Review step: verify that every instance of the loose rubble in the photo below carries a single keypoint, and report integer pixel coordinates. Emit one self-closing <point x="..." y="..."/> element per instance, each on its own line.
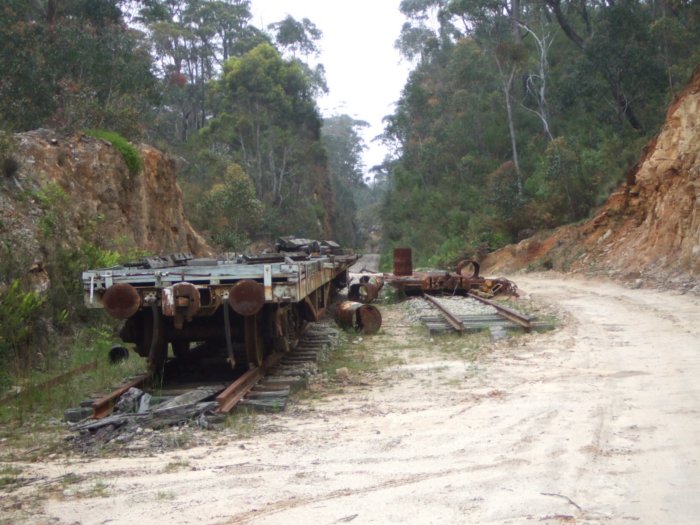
<point x="137" y="416"/>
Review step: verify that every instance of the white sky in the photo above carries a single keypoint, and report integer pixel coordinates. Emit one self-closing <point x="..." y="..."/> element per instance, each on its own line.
<point x="365" y="74"/>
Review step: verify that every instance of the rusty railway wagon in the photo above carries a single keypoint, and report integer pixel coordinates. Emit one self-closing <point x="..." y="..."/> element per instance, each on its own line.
<point x="239" y="310"/>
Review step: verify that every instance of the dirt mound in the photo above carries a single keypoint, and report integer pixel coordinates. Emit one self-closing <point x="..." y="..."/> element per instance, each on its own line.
<point x="649" y="229"/>
<point x="87" y="183"/>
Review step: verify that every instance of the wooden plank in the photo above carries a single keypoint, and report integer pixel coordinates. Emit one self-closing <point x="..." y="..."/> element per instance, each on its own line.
<point x="236" y="390"/>
<point x="506" y="312"/>
<point x="293" y="382"/>
<point x="449" y="316"/>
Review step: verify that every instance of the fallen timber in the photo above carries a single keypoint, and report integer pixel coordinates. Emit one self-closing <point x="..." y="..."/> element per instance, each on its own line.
<point x="57" y="380"/>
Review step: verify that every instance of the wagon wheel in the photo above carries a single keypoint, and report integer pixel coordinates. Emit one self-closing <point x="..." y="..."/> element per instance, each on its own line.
<point x="237" y="353"/>
<point x="277" y="330"/>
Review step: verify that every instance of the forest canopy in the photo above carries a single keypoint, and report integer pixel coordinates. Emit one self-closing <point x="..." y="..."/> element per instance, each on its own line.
<point x="522" y="115"/>
<point x="193" y="77"/>
<point x="518" y="114"/>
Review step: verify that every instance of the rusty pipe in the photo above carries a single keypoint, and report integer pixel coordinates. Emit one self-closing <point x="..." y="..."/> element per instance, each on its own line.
<point x="181" y="301"/>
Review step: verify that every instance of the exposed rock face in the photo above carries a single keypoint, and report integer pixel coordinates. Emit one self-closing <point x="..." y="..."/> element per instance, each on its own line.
<point x="649" y="228"/>
<point x="104" y="200"/>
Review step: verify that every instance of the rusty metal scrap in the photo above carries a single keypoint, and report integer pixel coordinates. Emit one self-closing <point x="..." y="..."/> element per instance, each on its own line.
<point x="238" y="306"/>
<point x="121" y="301"/>
<point x="455" y="282"/>
<point x="364" y="318"/>
<point x="180" y="301"/>
<point x="367" y="289"/>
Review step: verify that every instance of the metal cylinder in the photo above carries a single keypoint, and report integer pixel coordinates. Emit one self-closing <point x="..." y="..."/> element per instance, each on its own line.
<point x="364" y="318"/>
<point x="121" y="301"/>
<point x="118" y="353"/>
<point x="403" y="261"/>
<point x="475" y="267"/>
<point x="247" y="297"/>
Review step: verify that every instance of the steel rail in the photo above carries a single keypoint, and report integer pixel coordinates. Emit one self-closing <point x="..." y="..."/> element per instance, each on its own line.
<point x="103" y="406"/>
<point x="451" y="318"/>
<point x="244" y="384"/>
<point x="508" y="313"/>
<point x="61" y="378"/>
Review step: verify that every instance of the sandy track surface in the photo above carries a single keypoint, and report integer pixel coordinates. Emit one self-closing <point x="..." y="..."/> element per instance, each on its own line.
<point x="597" y="422"/>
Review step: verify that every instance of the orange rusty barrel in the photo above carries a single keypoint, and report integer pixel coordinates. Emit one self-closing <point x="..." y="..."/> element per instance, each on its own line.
<point x="365" y="318"/>
<point x="403" y="261"/>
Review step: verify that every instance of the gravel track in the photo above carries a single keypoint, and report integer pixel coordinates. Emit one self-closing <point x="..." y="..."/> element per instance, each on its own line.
<point x="594" y="423"/>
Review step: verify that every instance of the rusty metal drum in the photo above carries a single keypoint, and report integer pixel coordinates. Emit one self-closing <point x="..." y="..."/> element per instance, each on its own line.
<point x="403" y="261"/>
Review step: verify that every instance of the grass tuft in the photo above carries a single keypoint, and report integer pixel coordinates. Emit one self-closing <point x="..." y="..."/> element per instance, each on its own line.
<point x="241" y="422"/>
<point x="131" y="155"/>
<point x="32" y="419"/>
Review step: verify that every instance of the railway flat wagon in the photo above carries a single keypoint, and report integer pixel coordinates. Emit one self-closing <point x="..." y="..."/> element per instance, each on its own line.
<point x="238" y="309"/>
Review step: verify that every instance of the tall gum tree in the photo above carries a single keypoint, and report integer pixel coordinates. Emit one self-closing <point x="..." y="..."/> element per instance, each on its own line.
<point x="266" y="119"/>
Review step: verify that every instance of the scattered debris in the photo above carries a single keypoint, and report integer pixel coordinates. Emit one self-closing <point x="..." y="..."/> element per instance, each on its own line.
<point x="416" y="283"/>
<point x="137" y="412"/>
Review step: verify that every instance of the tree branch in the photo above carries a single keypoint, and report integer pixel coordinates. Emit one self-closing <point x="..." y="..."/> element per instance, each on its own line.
<point x="570" y="32"/>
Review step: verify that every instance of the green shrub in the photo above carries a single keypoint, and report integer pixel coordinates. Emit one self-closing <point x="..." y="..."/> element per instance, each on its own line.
<point x="230" y="210"/>
<point x="129" y="152"/>
<point x="18" y="317"/>
<point x="8" y="163"/>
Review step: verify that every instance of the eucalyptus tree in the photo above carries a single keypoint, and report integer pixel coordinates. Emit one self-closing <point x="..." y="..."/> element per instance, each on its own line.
<point x="297" y="37"/>
<point x="609" y="43"/>
<point x="298" y="40"/>
<point x="266" y="119"/>
<point x="342" y="140"/>
<point x="73" y="64"/>
<point x="575" y="87"/>
<point x="191" y="41"/>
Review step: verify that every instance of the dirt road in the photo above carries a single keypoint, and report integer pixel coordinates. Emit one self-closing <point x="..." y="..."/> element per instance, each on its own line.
<point x="598" y="422"/>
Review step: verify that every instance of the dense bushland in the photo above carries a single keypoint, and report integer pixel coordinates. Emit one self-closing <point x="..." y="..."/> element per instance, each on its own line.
<point x="195" y="78"/>
<point x="524" y="115"/>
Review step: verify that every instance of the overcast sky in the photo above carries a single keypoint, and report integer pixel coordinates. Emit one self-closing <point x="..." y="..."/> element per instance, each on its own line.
<point x="365" y="74"/>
